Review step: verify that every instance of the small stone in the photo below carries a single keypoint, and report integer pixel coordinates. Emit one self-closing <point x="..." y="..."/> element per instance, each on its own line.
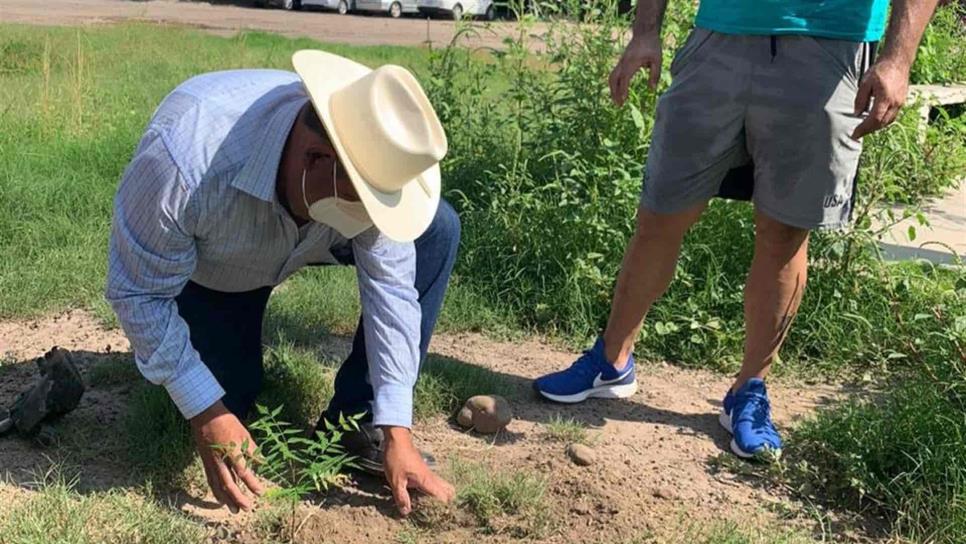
<point x="487" y="414"/>
<point x="665" y="493"/>
<point x="581" y="455"/>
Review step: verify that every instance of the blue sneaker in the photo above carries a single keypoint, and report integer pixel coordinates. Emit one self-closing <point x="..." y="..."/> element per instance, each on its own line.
<point x="590" y="376"/>
<point x="746" y="414"/>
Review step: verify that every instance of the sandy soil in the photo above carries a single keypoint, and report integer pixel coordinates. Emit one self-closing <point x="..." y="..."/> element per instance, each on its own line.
<point x="655" y="451"/>
<point x="228" y="19"/>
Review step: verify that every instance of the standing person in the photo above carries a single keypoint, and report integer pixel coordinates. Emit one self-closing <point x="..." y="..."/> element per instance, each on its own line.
<point x="243" y="177"/>
<point x="788" y="88"/>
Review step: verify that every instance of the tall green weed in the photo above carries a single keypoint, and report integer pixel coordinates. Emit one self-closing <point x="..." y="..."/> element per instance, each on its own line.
<point x="547" y="174"/>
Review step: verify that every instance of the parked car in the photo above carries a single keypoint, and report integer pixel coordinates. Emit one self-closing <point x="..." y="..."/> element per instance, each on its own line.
<point x="395" y="8"/>
<point x="342" y="7"/>
<point x="284" y="4"/>
<point x="456" y="9"/>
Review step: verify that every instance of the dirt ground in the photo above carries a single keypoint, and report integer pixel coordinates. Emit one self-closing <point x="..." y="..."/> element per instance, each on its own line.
<point x="655" y="451"/>
<point x="229" y="19"/>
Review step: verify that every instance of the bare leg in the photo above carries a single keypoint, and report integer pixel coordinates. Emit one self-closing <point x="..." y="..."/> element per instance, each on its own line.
<point x="773" y="292"/>
<point x="646" y="271"/>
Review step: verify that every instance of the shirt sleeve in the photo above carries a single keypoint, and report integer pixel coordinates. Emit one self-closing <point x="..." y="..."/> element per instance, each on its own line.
<point x="391" y="319"/>
<point x="151" y="257"/>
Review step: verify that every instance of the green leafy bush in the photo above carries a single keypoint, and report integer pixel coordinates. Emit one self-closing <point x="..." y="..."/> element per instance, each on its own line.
<point x="547" y="174"/>
<point x="942" y="53"/>
<point x="902" y="454"/>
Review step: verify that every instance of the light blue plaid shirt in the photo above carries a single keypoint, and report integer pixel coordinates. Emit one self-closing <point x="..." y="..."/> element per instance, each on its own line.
<point x="198" y="202"/>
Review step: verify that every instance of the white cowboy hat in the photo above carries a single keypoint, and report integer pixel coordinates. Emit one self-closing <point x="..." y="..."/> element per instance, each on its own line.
<point x="386" y="134"/>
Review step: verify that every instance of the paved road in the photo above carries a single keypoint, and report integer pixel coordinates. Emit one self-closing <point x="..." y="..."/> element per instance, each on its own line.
<point x="221" y="18"/>
<point x="938" y="242"/>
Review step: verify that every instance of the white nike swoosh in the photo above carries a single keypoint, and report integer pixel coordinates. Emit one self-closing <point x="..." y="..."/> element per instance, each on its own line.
<point x="599" y="382"/>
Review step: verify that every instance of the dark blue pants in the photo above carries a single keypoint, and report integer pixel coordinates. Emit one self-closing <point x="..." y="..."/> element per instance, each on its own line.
<point x="226" y="328"/>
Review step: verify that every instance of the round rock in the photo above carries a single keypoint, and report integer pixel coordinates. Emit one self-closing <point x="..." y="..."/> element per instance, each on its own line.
<point x="581" y="455"/>
<point x="485" y="414"/>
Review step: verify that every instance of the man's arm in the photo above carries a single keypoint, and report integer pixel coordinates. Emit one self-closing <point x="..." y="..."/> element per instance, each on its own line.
<point x="151" y="258"/>
<point x="886" y="85"/>
<point x="644" y="50"/>
<point x="649" y="17"/>
<point x="391" y="317"/>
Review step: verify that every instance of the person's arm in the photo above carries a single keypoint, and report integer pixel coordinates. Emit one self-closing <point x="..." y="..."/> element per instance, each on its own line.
<point x="644" y="50"/>
<point x="886" y="84"/>
<point x="649" y="17"/>
<point x="151" y="257"/>
<point x="391" y="316"/>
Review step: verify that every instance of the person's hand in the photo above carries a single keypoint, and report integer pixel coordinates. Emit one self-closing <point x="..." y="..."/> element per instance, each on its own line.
<point x="219" y="437"/>
<point x="406" y="469"/>
<point x="885" y="86"/>
<point x="642" y="52"/>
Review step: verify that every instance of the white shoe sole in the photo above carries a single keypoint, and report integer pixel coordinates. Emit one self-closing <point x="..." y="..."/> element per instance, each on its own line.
<point x="725" y="420"/>
<point x="602" y="392"/>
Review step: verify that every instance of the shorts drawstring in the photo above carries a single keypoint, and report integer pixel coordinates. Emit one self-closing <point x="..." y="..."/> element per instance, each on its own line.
<point x="774" y="47"/>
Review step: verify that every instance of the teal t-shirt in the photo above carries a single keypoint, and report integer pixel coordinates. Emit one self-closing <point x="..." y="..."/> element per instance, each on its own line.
<point x="854" y="20"/>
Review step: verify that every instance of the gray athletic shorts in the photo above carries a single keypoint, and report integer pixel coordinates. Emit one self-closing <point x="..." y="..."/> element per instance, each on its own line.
<point x="783" y="104"/>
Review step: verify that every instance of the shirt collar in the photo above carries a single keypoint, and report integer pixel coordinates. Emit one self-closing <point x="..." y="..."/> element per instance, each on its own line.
<point x="259" y="174"/>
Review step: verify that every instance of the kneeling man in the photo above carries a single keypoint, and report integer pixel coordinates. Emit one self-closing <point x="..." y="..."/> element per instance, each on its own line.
<point x="244" y="177"/>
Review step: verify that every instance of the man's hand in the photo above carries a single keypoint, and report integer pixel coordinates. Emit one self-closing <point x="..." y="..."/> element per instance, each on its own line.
<point x="885" y="86"/>
<point x="406" y="469"/>
<point x="643" y="51"/>
<point x="219" y="437"/>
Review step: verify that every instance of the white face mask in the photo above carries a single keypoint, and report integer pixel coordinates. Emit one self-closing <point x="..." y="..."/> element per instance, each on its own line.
<point x="349" y="218"/>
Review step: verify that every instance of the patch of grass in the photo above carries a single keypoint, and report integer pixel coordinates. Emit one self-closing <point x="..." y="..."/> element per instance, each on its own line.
<point x="901" y="456"/>
<point x="159" y="443"/>
<point x="900" y="452"/>
<point x="511" y="502"/>
<point x="75" y="101"/>
<point x="408" y="535"/>
<point x="562" y="429"/>
<point x="54" y="512"/>
<point x="730" y="532"/>
<point x="113" y="370"/>
<point x="445" y="384"/>
<point x="298" y="382"/>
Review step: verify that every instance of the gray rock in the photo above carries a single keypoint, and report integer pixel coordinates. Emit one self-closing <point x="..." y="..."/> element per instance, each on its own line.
<point x="581" y="455"/>
<point x="485" y="414"/>
<point x="57" y="392"/>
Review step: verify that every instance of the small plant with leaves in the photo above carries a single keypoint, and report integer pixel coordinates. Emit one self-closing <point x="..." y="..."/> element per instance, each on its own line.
<point x="295" y="464"/>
